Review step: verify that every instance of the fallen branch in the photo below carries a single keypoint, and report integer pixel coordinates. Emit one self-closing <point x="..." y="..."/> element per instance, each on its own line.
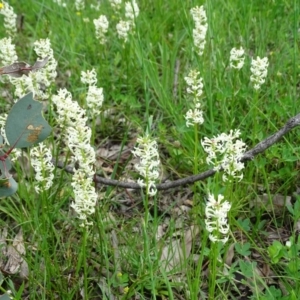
<point x="249" y="155"/>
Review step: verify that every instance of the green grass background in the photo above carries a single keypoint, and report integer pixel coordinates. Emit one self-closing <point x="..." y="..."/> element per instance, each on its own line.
<point x="138" y="80"/>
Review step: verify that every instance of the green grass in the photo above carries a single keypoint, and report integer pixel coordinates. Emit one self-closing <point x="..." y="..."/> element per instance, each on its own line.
<point x="120" y="250"/>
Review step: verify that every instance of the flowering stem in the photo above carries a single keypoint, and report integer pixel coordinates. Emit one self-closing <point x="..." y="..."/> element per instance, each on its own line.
<point x="196" y="143"/>
<point x="146" y="204"/>
<point x="82" y="261"/>
<point x="196" y="138"/>
<point x="85" y="277"/>
<point x="197" y="278"/>
<point x="255" y="102"/>
<point x="225" y="101"/>
<point x="213" y="270"/>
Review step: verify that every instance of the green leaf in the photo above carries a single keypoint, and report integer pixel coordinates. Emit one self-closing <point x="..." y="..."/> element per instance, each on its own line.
<point x="243" y="249"/>
<point x="25" y="124"/>
<point x="244" y="224"/>
<point x="276" y="252"/>
<point x="247" y="268"/>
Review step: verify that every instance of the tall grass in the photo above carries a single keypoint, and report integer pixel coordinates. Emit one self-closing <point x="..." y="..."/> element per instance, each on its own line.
<point x="122" y="255"/>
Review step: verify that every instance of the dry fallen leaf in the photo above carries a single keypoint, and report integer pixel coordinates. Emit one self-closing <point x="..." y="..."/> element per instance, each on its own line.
<point x="176" y="252"/>
<point x="273" y="202"/>
<point x="3" y="247"/>
<point x="14" y="255"/>
<point x="229" y="255"/>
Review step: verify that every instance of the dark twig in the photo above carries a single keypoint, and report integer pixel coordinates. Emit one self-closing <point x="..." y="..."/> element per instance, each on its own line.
<point x="249" y="155"/>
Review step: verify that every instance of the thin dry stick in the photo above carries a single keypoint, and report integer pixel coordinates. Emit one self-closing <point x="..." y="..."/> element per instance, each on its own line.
<point x="249" y="155"/>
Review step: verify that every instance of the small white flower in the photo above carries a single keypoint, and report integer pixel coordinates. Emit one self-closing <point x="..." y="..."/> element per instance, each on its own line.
<point x="78" y="141"/>
<point x="216" y="211"/>
<point x="199" y="15"/>
<point x="41" y="163"/>
<point x="237" y="58"/>
<point x="225" y="152"/>
<point x="288" y="244"/>
<point x="194" y="89"/>
<point x="259" y="70"/>
<point x="131" y="10"/>
<point x="79" y="5"/>
<point x="96" y="7"/>
<point x="85" y="197"/>
<point x="43" y="49"/>
<point x="77" y="136"/>
<point x="195" y="84"/>
<point x="123" y="28"/>
<point x="201" y="26"/>
<point x="8" y="54"/>
<point x="10" y="19"/>
<point x="115" y="4"/>
<point x="89" y="77"/>
<point x="94" y="99"/>
<point x="149" y="163"/>
<point x="69" y="111"/>
<point x="194" y="117"/>
<point x="101" y="27"/>
<point x="39" y="81"/>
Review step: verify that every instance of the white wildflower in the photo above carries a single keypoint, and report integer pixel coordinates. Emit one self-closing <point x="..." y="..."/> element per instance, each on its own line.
<point x="149" y="163"/>
<point x="225" y="152"/>
<point x="77" y="136"/>
<point x="201" y="26"/>
<point x="40" y="80"/>
<point x="123" y="28"/>
<point x="96" y="7"/>
<point x="43" y="49"/>
<point x="85" y="197"/>
<point x="195" y="84"/>
<point x="194" y="117"/>
<point x="10" y="18"/>
<point x="216" y="211"/>
<point x="237" y="58"/>
<point x="194" y="88"/>
<point x="101" y="27"/>
<point x="259" y="70"/>
<point x="79" y="5"/>
<point x="78" y="140"/>
<point x="288" y="244"/>
<point x="89" y="77"/>
<point x="69" y="111"/>
<point x="131" y="10"/>
<point x="8" y="54"/>
<point x="116" y="4"/>
<point x="26" y="84"/>
<point x="41" y="163"/>
<point x="94" y="99"/>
